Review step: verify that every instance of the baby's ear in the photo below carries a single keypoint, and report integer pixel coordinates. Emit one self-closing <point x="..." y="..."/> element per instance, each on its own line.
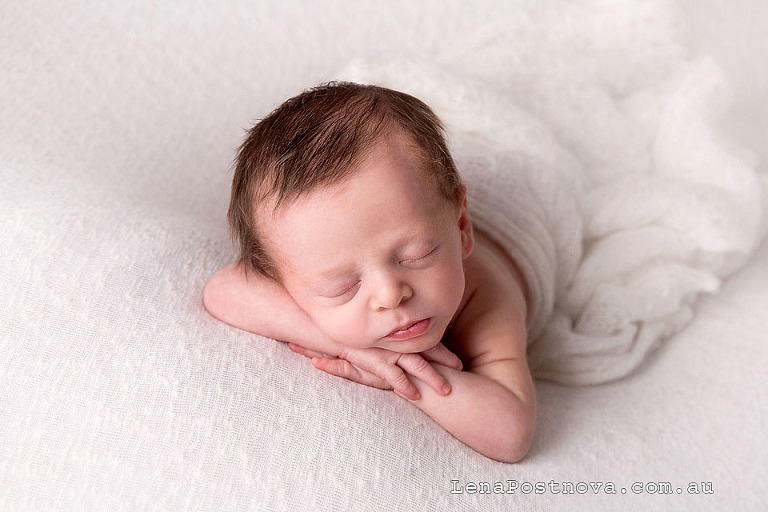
<point x="465" y="225"/>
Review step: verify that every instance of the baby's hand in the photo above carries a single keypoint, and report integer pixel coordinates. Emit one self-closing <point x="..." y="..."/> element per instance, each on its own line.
<point x="381" y="368"/>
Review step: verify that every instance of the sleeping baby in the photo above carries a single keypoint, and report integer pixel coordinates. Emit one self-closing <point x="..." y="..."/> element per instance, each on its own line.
<point x="356" y="248"/>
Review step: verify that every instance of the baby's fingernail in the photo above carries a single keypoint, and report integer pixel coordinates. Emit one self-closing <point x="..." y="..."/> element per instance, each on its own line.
<point x="446" y="389"/>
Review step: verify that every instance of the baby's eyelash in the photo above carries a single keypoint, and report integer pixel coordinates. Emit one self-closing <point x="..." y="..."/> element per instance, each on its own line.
<point x="421" y="258"/>
<point x="342" y="294"/>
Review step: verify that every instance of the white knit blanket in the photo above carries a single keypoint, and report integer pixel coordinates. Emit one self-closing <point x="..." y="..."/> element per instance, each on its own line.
<point x="599" y="172"/>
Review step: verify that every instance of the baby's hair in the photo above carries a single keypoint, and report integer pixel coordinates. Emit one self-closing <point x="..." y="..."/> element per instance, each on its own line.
<point x="315" y="139"/>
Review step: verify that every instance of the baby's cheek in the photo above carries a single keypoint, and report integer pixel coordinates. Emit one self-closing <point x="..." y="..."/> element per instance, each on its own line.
<point x="449" y="284"/>
<point x="346" y="327"/>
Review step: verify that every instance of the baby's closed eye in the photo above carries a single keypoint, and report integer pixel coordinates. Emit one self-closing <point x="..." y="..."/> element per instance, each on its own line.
<point x="341" y="290"/>
<point x="422" y="258"/>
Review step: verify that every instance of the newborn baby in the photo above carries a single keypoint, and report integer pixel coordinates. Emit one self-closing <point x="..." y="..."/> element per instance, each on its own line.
<point x="356" y="247"/>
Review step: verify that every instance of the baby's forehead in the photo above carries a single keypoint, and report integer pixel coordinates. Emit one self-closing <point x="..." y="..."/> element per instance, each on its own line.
<point x="397" y="146"/>
<point x="391" y="165"/>
<point x="395" y="142"/>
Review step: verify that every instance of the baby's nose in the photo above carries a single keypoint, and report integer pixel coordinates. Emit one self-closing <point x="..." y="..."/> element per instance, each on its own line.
<point x="390" y="293"/>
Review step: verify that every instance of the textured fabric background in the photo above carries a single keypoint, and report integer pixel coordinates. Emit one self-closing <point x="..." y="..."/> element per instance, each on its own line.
<point x="118" y="123"/>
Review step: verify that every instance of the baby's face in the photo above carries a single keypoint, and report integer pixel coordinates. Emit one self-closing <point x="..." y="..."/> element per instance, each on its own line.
<point x="377" y="260"/>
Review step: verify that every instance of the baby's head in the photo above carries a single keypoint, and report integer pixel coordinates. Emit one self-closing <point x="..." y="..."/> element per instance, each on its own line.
<point x="347" y="196"/>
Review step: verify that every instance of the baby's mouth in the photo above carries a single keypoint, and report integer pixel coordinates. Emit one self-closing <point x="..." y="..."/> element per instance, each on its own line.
<point x="410" y="331"/>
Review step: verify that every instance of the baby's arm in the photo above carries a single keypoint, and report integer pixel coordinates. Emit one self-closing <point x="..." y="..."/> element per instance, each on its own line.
<point x="492" y="408"/>
<point x="259" y="305"/>
<point x="492" y="405"/>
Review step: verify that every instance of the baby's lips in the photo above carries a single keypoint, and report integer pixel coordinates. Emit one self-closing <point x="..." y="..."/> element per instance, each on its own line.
<point x="413" y="330"/>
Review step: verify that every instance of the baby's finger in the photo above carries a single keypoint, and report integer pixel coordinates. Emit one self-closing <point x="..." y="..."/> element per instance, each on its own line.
<point x="383" y="363"/>
<point x="346" y="370"/>
<point x="441" y="355"/>
<point x="421" y="369"/>
<point x="400" y="382"/>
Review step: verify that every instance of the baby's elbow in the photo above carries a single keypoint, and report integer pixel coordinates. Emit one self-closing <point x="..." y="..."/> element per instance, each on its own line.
<point x="214" y="294"/>
<point x="210" y="296"/>
<point x="514" y="446"/>
<point x="515" y="453"/>
<point x="512" y="450"/>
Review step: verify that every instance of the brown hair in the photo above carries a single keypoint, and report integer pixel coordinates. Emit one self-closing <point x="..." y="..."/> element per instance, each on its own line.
<point x="315" y="139"/>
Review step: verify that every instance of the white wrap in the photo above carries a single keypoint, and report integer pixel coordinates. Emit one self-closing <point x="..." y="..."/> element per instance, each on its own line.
<point x="604" y="178"/>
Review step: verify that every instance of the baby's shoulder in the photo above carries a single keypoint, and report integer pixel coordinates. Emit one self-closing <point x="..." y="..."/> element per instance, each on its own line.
<point x="492" y="321"/>
<point x="493" y="278"/>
